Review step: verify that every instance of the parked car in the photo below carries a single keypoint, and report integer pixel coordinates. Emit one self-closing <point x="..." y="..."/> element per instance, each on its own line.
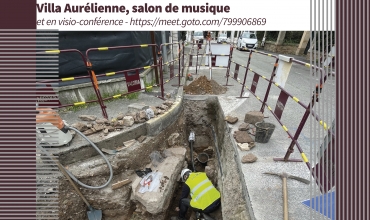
<point x="247" y="40"/>
<point x="222" y="38"/>
<point x="198" y="36"/>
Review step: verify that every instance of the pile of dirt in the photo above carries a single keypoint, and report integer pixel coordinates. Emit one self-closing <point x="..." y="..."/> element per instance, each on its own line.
<point x="202" y="86"/>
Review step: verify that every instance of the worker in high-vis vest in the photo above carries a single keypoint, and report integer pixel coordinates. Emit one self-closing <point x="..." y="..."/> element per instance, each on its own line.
<point x="205" y="198"/>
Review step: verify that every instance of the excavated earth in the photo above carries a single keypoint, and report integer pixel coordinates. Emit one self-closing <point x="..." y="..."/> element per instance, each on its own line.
<point x="202" y="85"/>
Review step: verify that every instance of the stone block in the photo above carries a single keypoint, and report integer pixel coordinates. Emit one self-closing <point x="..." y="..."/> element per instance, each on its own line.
<point x="155" y="110"/>
<point x="80" y="126"/>
<point x="249" y="158"/>
<point x="243" y="127"/>
<point x="158" y="201"/>
<point x="244" y="146"/>
<point x="231" y="119"/>
<point x="128" y="121"/>
<point x="87" y="117"/>
<point x="253" y="117"/>
<point x="98" y="127"/>
<point x="242" y="137"/>
<point x="101" y="121"/>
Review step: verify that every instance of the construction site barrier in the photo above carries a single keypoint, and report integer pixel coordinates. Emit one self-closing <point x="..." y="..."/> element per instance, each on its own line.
<point x="92" y="77"/>
<point x="133" y="81"/>
<point x="171" y="65"/>
<point x="282" y="100"/>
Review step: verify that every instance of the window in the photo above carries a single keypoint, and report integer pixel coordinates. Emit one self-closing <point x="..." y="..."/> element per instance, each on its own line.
<point x="249" y="35"/>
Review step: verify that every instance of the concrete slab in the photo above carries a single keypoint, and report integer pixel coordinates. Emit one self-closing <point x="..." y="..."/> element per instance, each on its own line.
<point x="157" y="201"/>
<point x="135" y="107"/>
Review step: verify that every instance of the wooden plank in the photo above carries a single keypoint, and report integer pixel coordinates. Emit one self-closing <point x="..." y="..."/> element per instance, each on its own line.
<point x="120" y="184"/>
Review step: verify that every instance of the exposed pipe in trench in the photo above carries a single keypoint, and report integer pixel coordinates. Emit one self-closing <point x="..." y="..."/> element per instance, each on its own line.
<point x="192" y="140"/>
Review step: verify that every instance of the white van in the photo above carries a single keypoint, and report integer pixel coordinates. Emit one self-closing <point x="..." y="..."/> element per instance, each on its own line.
<point x="247" y="40"/>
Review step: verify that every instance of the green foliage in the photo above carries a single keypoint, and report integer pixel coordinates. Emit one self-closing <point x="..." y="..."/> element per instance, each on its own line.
<point x="293" y="37"/>
<point x="260" y="35"/>
<point x="148" y="87"/>
<point x="131" y="96"/>
<point x="272" y="35"/>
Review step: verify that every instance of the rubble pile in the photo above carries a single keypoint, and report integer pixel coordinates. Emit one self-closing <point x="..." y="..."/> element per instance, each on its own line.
<point x="90" y="124"/>
<point x="202" y="86"/>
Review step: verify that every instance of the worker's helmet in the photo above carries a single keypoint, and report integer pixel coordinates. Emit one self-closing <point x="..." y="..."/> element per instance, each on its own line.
<point x="183" y="172"/>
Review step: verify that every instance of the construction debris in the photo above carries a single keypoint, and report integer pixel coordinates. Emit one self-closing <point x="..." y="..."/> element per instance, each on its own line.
<point x="119" y="184"/>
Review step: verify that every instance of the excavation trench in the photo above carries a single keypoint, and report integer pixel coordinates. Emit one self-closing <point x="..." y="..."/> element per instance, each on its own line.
<point x="166" y="150"/>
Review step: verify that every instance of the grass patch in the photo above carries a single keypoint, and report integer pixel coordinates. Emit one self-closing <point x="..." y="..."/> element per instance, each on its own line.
<point x="76" y="108"/>
<point x="148" y="84"/>
<point x="104" y="95"/>
<point x="132" y="96"/>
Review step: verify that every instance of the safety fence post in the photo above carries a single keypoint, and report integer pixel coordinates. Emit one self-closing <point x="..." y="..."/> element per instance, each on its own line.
<point x="245" y="76"/>
<point x="196" y="65"/>
<point x="210" y="59"/>
<point x="171" y="64"/>
<point x="305" y="116"/>
<point x="269" y="86"/>
<point x="228" y="67"/>
<point x="161" y="75"/>
<point x="183" y="59"/>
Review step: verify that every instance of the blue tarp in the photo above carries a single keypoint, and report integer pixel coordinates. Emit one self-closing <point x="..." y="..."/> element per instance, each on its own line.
<point x="324" y="204"/>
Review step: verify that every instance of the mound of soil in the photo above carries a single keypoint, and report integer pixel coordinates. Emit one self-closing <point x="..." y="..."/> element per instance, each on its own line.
<point x="202" y="86"/>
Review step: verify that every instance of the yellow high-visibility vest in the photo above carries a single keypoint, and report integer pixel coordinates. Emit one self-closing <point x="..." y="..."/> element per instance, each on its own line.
<point x="202" y="191"/>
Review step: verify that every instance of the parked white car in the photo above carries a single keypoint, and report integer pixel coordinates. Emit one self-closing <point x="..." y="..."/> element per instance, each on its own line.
<point x="247" y="41"/>
<point x="222" y="38"/>
<point x="198" y="36"/>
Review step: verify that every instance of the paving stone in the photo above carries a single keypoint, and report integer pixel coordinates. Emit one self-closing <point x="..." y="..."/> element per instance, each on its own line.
<point x="155" y="110"/>
<point x="242" y="137"/>
<point x="243" y="127"/>
<point x="89" y="132"/>
<point x="101" y="121"/>
<point x="249" y="158"/>
<point x="87" y="117"/>
<point x="80" y="126"/>
<point x="231" y="119"/>
<point x="243" y="146"/>
<point x="98" y="127"/>
<point x="120" y="116"/>
<point x="128" y="121"/>
<point x="253" y="117"/>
